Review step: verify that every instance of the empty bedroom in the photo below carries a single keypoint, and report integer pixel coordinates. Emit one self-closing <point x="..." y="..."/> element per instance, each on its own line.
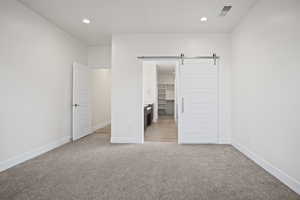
<point x="139" y="99"/>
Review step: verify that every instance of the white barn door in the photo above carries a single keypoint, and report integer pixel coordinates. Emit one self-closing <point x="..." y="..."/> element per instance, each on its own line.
<point x="81" y="101"/>
<point x="198" y="102"/>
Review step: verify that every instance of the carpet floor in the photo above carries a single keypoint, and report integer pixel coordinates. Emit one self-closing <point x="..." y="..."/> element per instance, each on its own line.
<point x="92" y="168"/>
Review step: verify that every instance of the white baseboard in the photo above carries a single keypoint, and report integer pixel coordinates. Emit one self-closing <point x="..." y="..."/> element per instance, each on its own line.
<point x="100" y="125"/>
<point x="32" y="154"/>
<point x="125" y="140"/>
<point x="279" y="174"/>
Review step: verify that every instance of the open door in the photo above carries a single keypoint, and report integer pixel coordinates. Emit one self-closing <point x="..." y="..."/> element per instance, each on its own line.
<point x="81" y="101"/>
<point x="198" y="101"/>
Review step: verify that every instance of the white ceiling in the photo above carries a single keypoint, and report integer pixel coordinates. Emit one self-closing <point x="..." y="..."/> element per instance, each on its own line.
<point x="138" y="16"/>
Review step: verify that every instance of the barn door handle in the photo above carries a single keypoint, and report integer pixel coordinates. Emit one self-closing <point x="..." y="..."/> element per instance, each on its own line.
<point x="182" y="105"/>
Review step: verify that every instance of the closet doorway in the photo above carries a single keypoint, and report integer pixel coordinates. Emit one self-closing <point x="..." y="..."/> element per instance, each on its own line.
<point x="196" y="90"/>
<point x="160" y="101"/>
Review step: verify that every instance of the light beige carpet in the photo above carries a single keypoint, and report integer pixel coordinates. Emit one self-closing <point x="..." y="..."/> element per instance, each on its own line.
<point x="94" y="169"/>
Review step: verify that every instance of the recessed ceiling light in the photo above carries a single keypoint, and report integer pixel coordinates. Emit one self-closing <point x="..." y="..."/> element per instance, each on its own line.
<point x="86" y="21"/>
<point x="203" y="19"/>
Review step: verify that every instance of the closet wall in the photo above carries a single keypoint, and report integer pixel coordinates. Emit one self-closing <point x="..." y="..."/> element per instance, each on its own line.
<point x="127" y="115"/>
<point x="150" y="86"/>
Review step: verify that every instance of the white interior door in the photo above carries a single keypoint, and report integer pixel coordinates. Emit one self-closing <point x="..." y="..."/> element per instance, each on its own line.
<point x="198" y="102"/>
<point x="81" y="101"/>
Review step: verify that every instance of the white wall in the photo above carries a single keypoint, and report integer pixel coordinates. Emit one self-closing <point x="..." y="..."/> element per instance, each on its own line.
<point x="127" y="76"/>
<point x="149" y="82"/>
<point x="150" y="86"/>
<point x="35" y="83"/>
<point x="266" y="97"/>
<point x="99" y="56"/>
<point x="101" y="93"/>
<point x="166" y="78"/>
